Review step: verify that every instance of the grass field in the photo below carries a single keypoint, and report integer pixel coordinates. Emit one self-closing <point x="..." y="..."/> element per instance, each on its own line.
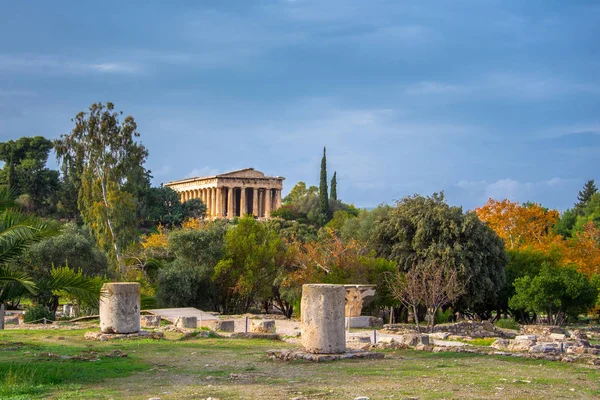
<point x="34" y="364"/>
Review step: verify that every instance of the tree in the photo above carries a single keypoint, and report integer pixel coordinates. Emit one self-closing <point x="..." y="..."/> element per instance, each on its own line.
<point x="17" y="232"/>
<point x="560" y="292"/>
<point x="73" y="246"/>
<point x="323" y="197"/>
<point x="564" y="226"/>
<point x="519" y="225"/>
<point x="164" y="207"/>
<point x="249" y="268"/>
<point x="112" y="173"/>
<point x="584" y="196"/>
<point x="25" y="172"/>
<point x="425" y="230"/>
<point x="194" y="208"/>
<point x="334" y="186"/>
<point x="440" y="286"/>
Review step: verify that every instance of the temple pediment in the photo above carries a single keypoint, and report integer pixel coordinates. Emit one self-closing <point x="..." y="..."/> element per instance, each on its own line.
<point x="243" y="173"/>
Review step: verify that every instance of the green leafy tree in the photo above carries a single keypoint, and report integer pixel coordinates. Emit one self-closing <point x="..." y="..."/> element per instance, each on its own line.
<point x="194" y="208"/>
<point x="73" y="246"/>
<point x="323" y="197"/>
<point x="112" y="174"/>
<point x="425" y="230"/>
<point x="25" y="172"/>
<point x="186" y="280"/>
<point x="249" y="268"/>
<point x="559" y="292"/>
<point x="17" y="232"/>
<point x="163" y="206"/>
<point x="585" y="195"/>
<point x="566" y="223"/>
<point x="589" y="213"/>
<point x="334" y="186"/>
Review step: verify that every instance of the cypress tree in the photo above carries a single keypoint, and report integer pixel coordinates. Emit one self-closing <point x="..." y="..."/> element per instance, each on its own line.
<point x="584" y="196"/>
<point x="323" y="197"/>
<point x="334" y="186"/>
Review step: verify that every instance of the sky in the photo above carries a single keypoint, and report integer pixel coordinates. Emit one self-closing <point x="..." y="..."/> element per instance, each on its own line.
<point x="476" y="98"/>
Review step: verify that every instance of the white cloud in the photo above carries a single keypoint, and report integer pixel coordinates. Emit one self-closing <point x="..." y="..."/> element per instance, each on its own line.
<point x="55" y="64"/>
<point x="201" y="172"/>
<point x="512" y="189"/>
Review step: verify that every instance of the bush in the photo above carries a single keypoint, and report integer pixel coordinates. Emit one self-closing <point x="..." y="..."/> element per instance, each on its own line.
<point x="507" y="324"/>
<point x="36" y="314"/>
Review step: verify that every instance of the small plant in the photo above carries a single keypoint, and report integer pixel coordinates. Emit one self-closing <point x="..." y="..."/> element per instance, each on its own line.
<point x="507" y="323"/>
<point x="36" y="314"/>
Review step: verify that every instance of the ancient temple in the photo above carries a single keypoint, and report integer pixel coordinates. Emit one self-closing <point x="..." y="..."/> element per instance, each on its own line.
<point x="233" y="194"/>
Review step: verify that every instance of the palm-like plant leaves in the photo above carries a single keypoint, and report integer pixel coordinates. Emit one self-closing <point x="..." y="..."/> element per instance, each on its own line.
<point x="72" y="283"/>
<point x="17" y="231"/>
<point x="14" y="284"/>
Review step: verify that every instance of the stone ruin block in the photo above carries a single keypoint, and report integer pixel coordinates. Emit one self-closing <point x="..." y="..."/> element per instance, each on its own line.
<point x="322" y="318"/>
<point x="227" y="325"/>
<point x="263" y="326"/>
<point x="150" y="321"/>
<point x="186" y="322"/>
<point x="120" y="307"/>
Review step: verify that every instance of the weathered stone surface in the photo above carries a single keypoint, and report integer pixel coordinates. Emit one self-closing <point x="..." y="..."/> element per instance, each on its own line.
<point x="520" y="345"/>
<point x="186" y="322"/>
<point x="354" y="302"/>
<point x="464" y="328"/>
<point x="500" y="344"/>
<point x="120" y="307"/>
<point x="545" y="348"/>
<point x="221" y="325"/>
<point x="263" y="326"/>
<point x="558" y="336"/>
<point x="322" y="319"/>
<point x="112" y="336"/>
<point x="414" y="339"/>
<point x="150" y="321"/>
<point x="289" y="355"/>
<point x="526" y="337"/>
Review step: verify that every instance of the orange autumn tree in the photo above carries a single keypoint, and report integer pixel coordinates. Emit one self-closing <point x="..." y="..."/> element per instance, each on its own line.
<point x="520" y="225"/>
<point x="584" y="249"/>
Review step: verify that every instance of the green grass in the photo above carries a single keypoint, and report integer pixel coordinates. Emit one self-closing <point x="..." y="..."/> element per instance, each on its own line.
<point x="238" y="369"/>
<point x="478" y="341"/>
<point x="507" y="323"/>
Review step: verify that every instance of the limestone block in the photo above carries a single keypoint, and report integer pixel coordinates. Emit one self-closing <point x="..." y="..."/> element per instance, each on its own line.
<point x="186" y="322"/>
<point x="120" y="307"/>
<point x="150" y="321"/>
<point x="414" y="339"/>
<point x="322" y="318"/>
<point x="558" y="336"/>
<point x="526" y="337"/>
<point x="227" y="325"/>
<point x="354" y="302"/>
<point x="263" y="326"/>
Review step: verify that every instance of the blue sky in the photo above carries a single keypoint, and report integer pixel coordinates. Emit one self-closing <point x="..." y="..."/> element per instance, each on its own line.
<point x="478" y="98"/>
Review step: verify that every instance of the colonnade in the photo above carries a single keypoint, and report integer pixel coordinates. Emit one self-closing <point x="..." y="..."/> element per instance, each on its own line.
<point x="232" y="201"/>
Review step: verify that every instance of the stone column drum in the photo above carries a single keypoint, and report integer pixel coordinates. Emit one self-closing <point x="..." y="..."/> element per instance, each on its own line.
<point x="322" y="318"/>
<point x="120" y="307"/>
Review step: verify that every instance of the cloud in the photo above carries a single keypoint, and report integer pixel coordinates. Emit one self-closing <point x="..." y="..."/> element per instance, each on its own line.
<point x="201" y="172"/>
<point x="60" y="65"/>
<point x="514" y="190"/>
<point x="17" y="93"/>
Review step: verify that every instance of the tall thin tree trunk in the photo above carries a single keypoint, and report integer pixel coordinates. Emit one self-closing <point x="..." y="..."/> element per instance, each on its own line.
<point x="1" y="316"/>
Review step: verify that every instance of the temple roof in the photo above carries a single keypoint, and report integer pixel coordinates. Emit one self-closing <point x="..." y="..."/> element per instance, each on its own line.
<point x="240" y="173"/>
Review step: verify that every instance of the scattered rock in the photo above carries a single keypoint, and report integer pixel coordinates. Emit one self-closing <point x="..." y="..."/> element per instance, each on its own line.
<point x="263" y="326"/>
<point x="150" y="321"/>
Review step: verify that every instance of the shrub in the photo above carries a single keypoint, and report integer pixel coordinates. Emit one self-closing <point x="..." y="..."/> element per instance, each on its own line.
<point x="36" y="314"/>
<point x="507" y="324"/>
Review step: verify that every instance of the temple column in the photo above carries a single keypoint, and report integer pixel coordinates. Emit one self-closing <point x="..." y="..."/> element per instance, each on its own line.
<point x="223" y="202"/>
<point x="214" y="201"/>
<point x="268" y="203"/>
<point x="230" y="202"/>
<point x="218" y="201"/>
<point x="243" y="208"/>
<point x="203" y="195"/>
<point x="208" y="205"/>
<point x="255" y="202"/>
<point x="278" y="199"/>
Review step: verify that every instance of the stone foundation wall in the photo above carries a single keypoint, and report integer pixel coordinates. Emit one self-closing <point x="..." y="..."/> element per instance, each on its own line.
<point x="464" y="328"/>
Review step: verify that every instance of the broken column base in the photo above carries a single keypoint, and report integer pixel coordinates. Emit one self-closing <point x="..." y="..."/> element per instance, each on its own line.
<point x="112" y="336"/>
<point x="289" y="355"/>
